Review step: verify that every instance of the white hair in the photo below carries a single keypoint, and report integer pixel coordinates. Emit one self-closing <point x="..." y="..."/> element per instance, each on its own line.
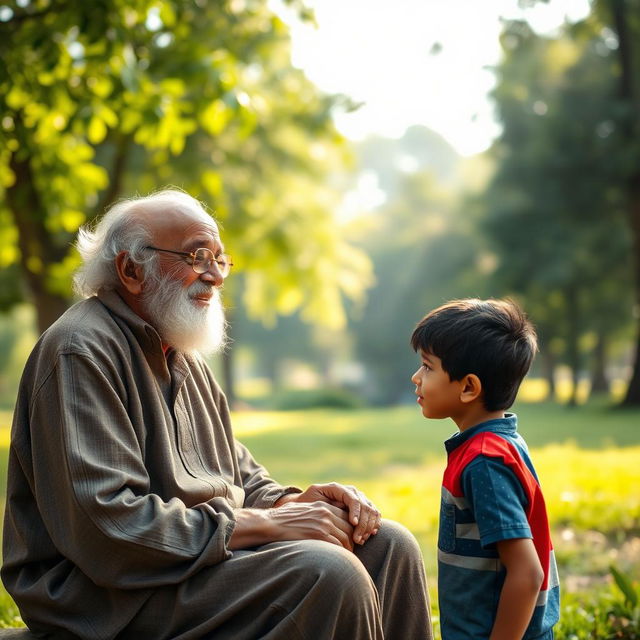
<point x="121" y="229"/>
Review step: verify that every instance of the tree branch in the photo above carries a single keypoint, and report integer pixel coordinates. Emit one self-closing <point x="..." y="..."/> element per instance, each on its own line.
<point x="116" y="178"/>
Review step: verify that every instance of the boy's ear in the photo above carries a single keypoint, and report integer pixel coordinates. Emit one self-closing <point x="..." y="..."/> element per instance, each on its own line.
<point x="470" y="388"/>
<point x="130" y="273"/>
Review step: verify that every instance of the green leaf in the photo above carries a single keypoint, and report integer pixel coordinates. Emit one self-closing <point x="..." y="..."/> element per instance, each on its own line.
<point x="167" y="15"/>
<point x="215" y="117"/>
<point x="625" y="585"/>
<point x="96" y="131"/>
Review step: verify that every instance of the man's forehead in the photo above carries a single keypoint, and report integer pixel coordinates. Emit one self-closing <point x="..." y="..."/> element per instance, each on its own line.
<point x="182" y="220"/>
<point x="200" y="235"/>
<point x="207" y="228"/>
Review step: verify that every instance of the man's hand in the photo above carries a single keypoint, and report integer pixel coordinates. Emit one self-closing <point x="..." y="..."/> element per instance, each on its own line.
<point x="292" y="521"/>
<point x="363" y="515"/>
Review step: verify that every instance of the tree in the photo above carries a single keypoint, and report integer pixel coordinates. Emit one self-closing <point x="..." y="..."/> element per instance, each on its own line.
<point x="114" y="97"/>
<point x="555" y="195"/>
<point x="623" y="16"/>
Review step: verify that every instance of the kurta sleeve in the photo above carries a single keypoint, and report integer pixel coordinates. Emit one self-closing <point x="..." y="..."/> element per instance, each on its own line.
<point x="94" y="491"/>
<point x="260" y="489"/>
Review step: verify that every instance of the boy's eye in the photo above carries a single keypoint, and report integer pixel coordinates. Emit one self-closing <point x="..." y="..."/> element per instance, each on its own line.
<point x="426" y="366"/>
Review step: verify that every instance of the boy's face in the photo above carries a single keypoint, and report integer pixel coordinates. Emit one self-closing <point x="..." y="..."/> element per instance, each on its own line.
<point x="438" y="396"/>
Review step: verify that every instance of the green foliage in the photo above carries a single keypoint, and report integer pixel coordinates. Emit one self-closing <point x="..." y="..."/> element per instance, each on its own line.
<point x="104" y="99"/>
<point x="301" y="399"/>
<point x="627" y="588"/>
<point x="16" y="339"/>
<point x="624" y="615"/>
<point x="9" y="615"/>
<point x="558" y="191"/>
<point x="606" y="615"/>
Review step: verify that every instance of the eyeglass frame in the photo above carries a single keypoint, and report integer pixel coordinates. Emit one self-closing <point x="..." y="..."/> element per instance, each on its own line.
<point x="224" y="270"/>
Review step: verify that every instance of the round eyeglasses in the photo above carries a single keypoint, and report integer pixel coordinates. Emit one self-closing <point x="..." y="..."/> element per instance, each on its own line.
<point x="201" y="260"/>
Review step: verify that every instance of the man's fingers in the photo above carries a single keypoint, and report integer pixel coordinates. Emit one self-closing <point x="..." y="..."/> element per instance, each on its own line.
<point x="362" y="513"/>
<point x="345" y="543"/>
<point x="354" y="506"/>
<point x="337" y="528"/>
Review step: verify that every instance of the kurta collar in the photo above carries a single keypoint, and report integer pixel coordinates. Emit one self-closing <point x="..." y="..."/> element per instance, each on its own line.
<point x="507" y="426"/>
<point x="146" y="335"/>
<point x="173" y="365"/>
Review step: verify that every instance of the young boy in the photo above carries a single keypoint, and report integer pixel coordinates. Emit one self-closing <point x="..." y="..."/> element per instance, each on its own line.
<point x="497" y="575"/>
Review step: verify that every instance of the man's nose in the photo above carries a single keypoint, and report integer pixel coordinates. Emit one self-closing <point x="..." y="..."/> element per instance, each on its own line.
<point x="213" y="276"/>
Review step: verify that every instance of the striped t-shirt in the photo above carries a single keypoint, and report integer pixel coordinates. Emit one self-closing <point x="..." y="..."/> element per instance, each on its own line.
<point x="490" y="493"/>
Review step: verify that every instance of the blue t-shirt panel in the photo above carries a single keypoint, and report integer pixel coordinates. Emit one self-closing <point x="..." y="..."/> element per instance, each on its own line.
<point x="497" y="500"/>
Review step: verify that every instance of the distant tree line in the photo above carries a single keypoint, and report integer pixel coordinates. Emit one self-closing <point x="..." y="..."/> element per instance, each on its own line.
<point x="556" y="225"/>
<point x="108" y="99"/>
<point x="563" y="208"/>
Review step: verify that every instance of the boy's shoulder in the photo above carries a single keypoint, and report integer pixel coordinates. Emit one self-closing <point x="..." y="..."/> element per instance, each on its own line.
<point x="496" y="446"/>
<point x="484" y="443"/>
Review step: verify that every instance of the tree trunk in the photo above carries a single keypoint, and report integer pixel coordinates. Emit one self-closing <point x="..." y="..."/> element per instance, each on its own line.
<point x="121" y="152"/>
<point x="632" y="397"/>
<point x="227" y="377"/>
<point x="599" y="382"/>
<point x="549" y="367"/>
<point x="272" y="370"/>
<point x="573" y="350"/>
<point x="631" y="125"/>
<point x="37" y="248"/>
<point x="228" y="380"/>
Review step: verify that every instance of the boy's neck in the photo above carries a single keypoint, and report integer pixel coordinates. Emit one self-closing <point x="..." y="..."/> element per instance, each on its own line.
<point x="474" y="415"/>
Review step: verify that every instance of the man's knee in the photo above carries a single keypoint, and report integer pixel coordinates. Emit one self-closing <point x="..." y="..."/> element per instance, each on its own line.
<point x="393" y="551"/>
<point x="393" y="535"/>
<point x="334" y="572"/>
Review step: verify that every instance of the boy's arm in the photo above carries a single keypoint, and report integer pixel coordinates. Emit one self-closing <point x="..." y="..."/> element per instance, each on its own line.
<point x="520" y="590"/>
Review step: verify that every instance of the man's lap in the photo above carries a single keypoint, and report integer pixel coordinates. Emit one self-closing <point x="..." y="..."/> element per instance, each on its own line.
<point x="244" y="596"/>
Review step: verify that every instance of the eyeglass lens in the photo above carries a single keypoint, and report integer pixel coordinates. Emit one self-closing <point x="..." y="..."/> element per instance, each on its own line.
<point x="204" y="258"/>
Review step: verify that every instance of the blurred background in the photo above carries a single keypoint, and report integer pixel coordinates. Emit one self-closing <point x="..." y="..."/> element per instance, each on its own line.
<point x="367" y="161"/>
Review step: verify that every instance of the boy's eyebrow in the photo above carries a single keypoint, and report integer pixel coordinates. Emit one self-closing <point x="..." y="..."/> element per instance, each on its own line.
<point x="425" y="355"/>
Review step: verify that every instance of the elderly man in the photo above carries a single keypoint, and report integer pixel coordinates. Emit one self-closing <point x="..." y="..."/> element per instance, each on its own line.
<point x="132" y="511"/>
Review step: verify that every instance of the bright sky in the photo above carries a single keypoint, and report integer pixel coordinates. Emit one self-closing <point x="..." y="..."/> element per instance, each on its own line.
<point x="379" y="52"/>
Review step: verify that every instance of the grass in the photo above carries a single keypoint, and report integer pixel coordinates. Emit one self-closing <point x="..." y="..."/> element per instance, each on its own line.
<point x="587" y="459"/>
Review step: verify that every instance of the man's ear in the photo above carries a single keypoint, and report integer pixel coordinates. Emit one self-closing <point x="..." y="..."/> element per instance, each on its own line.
<point x="470" y="388"/>
<point x="130" y="273"/>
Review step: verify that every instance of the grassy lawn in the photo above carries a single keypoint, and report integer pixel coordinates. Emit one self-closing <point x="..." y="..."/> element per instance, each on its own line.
<point x="587" y="458"/>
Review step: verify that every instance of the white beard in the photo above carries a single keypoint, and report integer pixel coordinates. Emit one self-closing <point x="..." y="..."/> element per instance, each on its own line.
<point x="181" y="323"/>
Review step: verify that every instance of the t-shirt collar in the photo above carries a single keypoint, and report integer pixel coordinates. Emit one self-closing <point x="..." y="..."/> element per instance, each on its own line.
<point x="507" y="426"/>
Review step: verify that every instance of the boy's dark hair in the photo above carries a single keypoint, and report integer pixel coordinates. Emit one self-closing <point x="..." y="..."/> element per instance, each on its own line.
<point x="492" y="339"/>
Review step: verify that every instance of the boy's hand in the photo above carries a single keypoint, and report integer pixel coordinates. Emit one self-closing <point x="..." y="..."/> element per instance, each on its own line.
<point x="363" y="515"/>
<point x="520" y="590"/>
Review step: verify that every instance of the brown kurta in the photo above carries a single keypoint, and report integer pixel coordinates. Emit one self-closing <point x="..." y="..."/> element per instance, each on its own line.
<point x="123" y="477"/>
<point x="123" y="471"/>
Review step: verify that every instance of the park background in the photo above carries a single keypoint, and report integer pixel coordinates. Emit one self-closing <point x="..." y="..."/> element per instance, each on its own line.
<point x="367" y="161"/>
